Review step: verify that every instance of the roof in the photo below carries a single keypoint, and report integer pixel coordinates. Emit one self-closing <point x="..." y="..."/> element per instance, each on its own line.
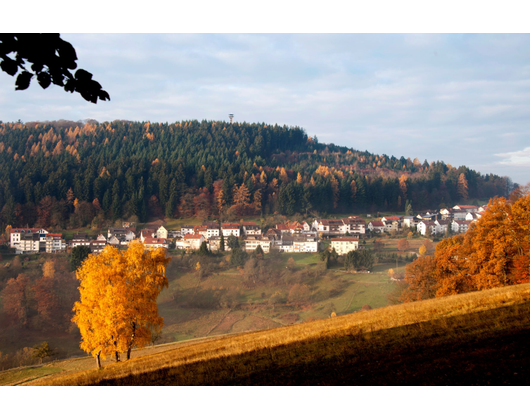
<point x="154" y="241"/>
<point x="193" y="236"/>
<point x="230" y="226"/>
<point x="25" y="230"/>
<point x="54" y="235"/>
<point x="465" y="206"/>
<point x="377" y="223"/>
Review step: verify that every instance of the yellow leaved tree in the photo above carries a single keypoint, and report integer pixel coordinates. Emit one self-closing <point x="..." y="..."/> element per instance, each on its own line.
<point x="117" y="309"/>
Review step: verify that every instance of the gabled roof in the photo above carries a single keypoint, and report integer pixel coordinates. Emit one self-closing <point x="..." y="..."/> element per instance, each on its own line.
<point x="345" y="240"/>
<point x="230" y="226"/>
<point x="193" y="236"/>
<point x="155" y="241"/>
<point x="54" y="235"/>
<point x="25" y="230"/>
<point x="377" y="223"/>
<point x="465" y="207"/>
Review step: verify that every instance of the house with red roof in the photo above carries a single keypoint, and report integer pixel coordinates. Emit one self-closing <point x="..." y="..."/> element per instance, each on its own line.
<point x="156" y="243"/>
<point x="55" y="243"/>
<point x="376" y="226"/>
<point x="194" y="240"/>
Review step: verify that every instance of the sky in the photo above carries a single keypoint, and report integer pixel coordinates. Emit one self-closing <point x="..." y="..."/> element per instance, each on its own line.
<point x="463" y="98"/>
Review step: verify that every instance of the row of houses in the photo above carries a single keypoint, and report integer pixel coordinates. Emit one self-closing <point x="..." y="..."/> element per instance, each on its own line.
<point x="287" y="237"/>
<point x="34" y="240"/>
<point x="458" y="218"/>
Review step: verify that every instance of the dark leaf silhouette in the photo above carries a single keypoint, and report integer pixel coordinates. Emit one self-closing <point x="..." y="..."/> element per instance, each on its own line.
<point x="23" y="80"/>
<point x="51" y="60"/>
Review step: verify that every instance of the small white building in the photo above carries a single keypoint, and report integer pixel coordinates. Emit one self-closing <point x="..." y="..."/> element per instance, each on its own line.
<point x="423" y="225"/>
<point x="156" y="243"/>
<point x="376" y="226"/>
<point x="55" y="243"/>
<point x="442" y="226"/>
<point x="161" y="232"/>
<point x="28" y="243"/>
<point x="187" y="229"/>
<point x="16" y="235"/>
<point x="460" y="226"/>
<point x="305" y="244"/>
<point x="250" y="228"/>
<point x="194" y="240"/>
<point x="344" y="245"/>
<point x="230" y="229"/>
<point x="253" y="241"/>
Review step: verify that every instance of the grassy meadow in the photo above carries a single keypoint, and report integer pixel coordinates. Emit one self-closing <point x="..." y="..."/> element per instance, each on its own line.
<point x="470" y="339"/>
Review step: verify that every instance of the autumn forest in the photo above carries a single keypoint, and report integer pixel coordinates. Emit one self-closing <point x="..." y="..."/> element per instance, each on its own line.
<point x="66" y="175"/>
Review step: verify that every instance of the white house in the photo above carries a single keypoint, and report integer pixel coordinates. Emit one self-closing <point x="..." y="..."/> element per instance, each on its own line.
<point x="409" y="221"/>
<point x="466" y="208"/>
<point x="156" y="243"/>
<point x="354" y="225"/>
<point x="250" y="228"/>
<point x="194" y="240"/>
<point x="253" y="241"/>
<point x="305" y="244"/>
<point x="423" y="225"/>
<point x="98" y="245"/>
<point x="460" y="226"/>
<point x="376" y="226"/>
<point x="147" y="233"/>
<point x="161" y="232"/>
<point x="28" y="243"/>
<point x="187" y="229"/>
<point x="442" y="226"/>
<point x="230" y="229"/>
<point x="344" y="245"/>
<point x="212" y="229"/>
<point x="329" y="226"/>
<point x="80" y="242"/>
<point x="55" y="243"/>
<point x="17" y="233"/>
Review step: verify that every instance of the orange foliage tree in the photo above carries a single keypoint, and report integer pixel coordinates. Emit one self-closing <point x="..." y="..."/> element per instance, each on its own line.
<point x="117" y="309"/>
<point x="494" y="252"/>
<point x="403" y="245"/>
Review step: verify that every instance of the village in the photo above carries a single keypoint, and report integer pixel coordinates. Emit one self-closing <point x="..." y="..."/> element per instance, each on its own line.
<point x="290" y="237"/>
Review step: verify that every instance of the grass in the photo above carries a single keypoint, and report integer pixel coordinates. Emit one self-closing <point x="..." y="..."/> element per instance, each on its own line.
<point x="474" y="338"/>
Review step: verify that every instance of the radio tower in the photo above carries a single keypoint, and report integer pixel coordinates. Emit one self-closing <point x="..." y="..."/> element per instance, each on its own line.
<point x="231" y="118"/>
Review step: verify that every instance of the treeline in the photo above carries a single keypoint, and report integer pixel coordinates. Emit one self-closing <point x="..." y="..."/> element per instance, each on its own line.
<point x="64" y="173"/>
<point x="494" y="252"/>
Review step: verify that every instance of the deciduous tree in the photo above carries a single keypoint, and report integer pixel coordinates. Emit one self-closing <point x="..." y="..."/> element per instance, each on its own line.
<point x="117" y="309"/>
<point x="403" y="245"/>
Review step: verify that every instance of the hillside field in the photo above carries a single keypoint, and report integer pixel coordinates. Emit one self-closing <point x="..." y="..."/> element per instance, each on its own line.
<point x="470" y="339"/>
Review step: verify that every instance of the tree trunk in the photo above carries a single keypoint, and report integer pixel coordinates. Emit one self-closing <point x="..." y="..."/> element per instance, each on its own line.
<point x="117" y="357"/>
<point x="132" y="341"/>
<point x="98" y="361"/>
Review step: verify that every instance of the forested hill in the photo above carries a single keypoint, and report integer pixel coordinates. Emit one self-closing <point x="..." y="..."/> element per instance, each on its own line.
<point x="54" y="170"/>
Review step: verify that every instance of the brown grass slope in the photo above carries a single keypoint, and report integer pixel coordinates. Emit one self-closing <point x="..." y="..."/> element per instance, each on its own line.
<point x="470" y="339"/>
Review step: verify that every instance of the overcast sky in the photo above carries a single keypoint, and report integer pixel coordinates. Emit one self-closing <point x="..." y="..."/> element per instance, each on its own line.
<point x="463" y="99"/>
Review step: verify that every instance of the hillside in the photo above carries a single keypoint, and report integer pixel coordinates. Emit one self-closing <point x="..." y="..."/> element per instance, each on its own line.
<point x="470" y="339"/>
<point x="64" y="174"/>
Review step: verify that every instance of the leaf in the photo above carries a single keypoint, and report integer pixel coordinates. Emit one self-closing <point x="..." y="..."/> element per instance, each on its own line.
<point x="104" y="96"/>
<point x="83" y="75"/>
<point x="23" y="80"/>
<point x="9" y="66"/>
<point x="44" y="79"/>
